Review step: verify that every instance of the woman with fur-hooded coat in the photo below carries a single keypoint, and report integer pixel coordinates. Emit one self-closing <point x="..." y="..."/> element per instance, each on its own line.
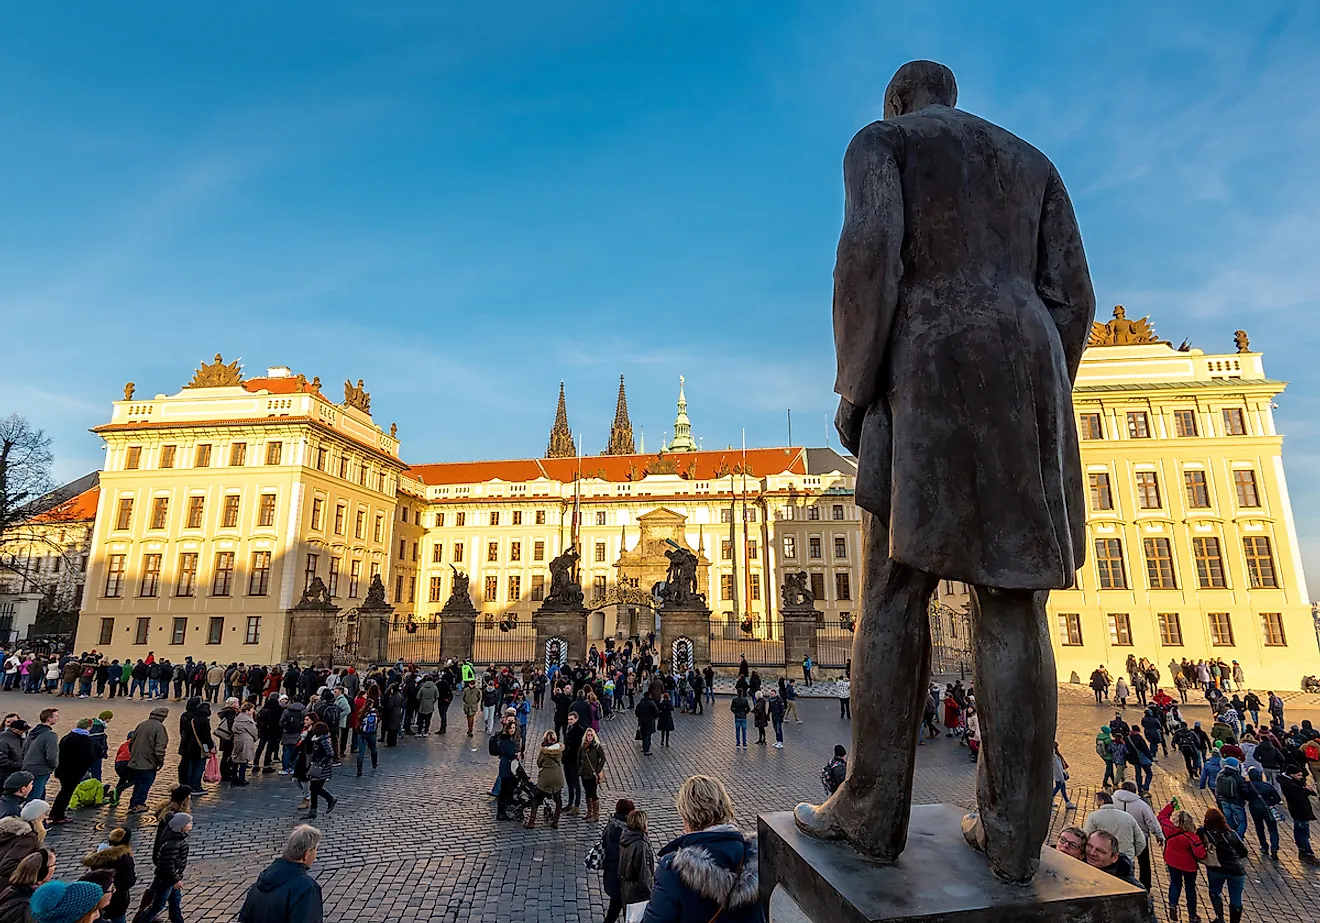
<point x="116" y="854"/>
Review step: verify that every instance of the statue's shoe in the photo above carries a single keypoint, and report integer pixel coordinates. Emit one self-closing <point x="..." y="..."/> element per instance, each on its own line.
<point x="973" y="831"/>
<point x="815" y="821"/>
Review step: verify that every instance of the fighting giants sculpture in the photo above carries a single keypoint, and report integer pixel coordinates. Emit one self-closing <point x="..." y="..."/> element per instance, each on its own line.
<point x="962" y="305"/>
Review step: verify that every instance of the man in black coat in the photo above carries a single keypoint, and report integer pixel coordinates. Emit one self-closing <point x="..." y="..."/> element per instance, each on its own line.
<point x="647" y="713"/>
<point x="285" y="892"/>
<point x="77" y="752"/>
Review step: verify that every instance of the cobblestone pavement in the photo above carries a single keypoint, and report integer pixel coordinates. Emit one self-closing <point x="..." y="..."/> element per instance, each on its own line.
<point x="417" y="840"/>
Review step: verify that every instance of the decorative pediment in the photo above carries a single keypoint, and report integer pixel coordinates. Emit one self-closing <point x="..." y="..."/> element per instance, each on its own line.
<point x="217" y="375"/>
<point x="1120" y="331"/>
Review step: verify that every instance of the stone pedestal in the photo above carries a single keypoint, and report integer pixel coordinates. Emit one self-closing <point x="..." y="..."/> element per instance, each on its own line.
<point x="569" y="623"/>
<point x="799" y="634"/>
<point x="309" y="636"/>
<point x="458" y="628"/>
<point x="938" y="879"/>
<point x="373" y="637"/>
<point x="692" y="624"/>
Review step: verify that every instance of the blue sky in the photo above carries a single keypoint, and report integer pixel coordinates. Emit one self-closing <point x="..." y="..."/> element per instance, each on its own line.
<point x="464" y="204"/>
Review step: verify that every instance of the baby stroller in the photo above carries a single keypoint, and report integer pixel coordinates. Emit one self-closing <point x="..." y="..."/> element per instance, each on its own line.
<point x="525" y="797"/>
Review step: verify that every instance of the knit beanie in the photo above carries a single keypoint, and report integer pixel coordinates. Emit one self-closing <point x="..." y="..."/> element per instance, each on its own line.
<point x="84" y="723"/>
<point x="180" y="820"/>
<point x="61" y="902"/>
<point x="106" y="715"/>
<point x="34" y="809"/>
<point x="180" y="792"/>
<point x="16" y="780"/>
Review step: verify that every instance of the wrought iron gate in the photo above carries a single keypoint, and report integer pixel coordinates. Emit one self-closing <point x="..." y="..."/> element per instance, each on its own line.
<point x="504" y="640"/>
<point x="755" y="637"/>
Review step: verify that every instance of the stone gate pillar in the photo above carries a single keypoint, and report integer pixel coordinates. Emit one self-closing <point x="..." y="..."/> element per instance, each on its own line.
<point x="373" y="640"/>
<point x="691" y="622"/>
<point x="569" y="623"/>
<point x="310" y="628"/>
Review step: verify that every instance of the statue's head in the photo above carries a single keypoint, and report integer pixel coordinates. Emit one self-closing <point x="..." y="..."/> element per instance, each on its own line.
<point x="1119" y="312"/>
<point x="917" y="85"/>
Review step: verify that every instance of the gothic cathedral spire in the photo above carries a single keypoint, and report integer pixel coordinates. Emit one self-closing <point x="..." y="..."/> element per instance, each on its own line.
<point x="561" y="437"/>
<point x="621" y="434"/>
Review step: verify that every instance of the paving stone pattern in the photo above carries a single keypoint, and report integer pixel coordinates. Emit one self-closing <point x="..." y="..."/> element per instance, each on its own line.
<point x="417" y="840"/>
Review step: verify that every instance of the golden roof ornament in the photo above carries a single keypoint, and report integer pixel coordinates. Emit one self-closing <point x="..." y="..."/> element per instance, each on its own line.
<point x="128" y="391"/>
<point x="1123" y="332"/>
<point x="217" y="375"/>
<point x="357" y="396"/>
<point x="1241" y="341"/>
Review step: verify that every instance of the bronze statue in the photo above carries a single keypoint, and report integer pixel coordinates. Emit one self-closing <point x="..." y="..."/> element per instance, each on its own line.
<point x="962" y="306"/>
<point x="375" y="594"/>
<point x="565" y="591"/>
<point x="459" y="598"/>
<point x="796" y="591"/>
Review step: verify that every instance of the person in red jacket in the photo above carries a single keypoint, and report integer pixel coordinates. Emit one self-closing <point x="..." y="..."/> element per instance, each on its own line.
<point x="1182" y="848"/>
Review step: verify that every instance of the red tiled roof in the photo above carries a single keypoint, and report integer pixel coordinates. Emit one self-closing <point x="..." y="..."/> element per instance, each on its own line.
<point x="287" y="385"/>
<point x="76" y="509"/>
<point x="697" y="466"/>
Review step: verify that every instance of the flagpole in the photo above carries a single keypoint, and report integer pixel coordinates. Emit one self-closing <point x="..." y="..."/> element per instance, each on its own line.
<point x="746" y="561"/>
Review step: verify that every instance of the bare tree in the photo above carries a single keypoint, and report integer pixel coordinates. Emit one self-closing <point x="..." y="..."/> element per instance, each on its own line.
<point x="25" y="460"/>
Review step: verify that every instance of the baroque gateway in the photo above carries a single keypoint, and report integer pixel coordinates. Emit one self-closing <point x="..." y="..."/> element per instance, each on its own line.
<point x="220" y="504"/>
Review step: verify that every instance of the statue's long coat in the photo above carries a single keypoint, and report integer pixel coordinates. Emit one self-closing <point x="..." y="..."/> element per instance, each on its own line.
<point x="962" y="305"/>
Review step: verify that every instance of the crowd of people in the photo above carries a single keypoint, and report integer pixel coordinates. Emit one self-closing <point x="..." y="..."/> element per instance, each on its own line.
<point x="1253" y="770"/>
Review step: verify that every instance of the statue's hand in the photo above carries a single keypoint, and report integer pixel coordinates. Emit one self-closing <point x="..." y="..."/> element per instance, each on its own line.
<point x="848" y="422"/>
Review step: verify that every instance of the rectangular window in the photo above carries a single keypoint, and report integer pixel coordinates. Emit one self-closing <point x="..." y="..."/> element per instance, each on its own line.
<point x="340" y="511"/>
<point x="266" y="511"/>
<point x="309" y="572"/>
<point x="1244" y="479"/>
<point x="756" y="587"/>
<point x="125" y="518"/>
<point x="842" y="587"/>
<point x="492" y="589"/>
<point x="517" y="517"/>
<point x="492" y="551"/>
<point x="1198" y="491"/>
<point x="538" y="551"/>
<point x="360" y="524"/>
<point x="160" y="512"/>
<point x="259" y="579"/>
<point x="202" y="455"/>
<point x="318" y="509"/>
<point x="354" y="576"/>
<point x="1159" y="564"/>
<point x="343" y="467"/>
<point x="726" y="515"/>
<point x="726" y="550"/>
<point x="600" y="517"/>
<point x="114" y="575"/>
<point x="398" y="589"/>
<point x="142" y="631"/>
<point x="597" y="588"/>
<point x="840" y="547"/>
<point x="107" y="631"/>
<point x="1138" y="425"/>
<point x="1120" y="629"/>
<point x="252" y="634"/>
<point x="1260" y="562"/>
<point x="813" y="513"/>
<point x="437" y="553"/>
<point x="150" y="576"/>
<point x="274" y="452"/>
<point x="1235" y="422"/>
<point x="1271" y="628"/>
<point x="818" y="586"/>
<point x="439" y="520"/>
<point x="1070" y="629"/>
<point x="134" y="457"/>
<point x="321" y="456"/>
<point x="1102" y="498"/>
<point x="167" y="456"/>
<point x="1091" y="427"/>
<point x="726" y="586"/>
<point x="1148" y="490"/>
<point x="333" y="588"/>
<point x="813" y="546"/>
<point x="1209" y="563"/>
<point x="1221" y="629"/>
<point x="179" y="630"/>
<point x="458" y="552"/>
<point x="540" y="517"/>
<point x="187" y="583"/>
<point x="196" y="510"/>
<point x="412" y="588"/>
<point x="1184" y="422"/>
<point x="1170" y="629"/>
<point x="380" y="527"/>
<point x="437" y="590"/>
<point x="223" y="581"/>
<point x="229" y="512"/>
<point x="790" y="546"/>
<point x="600" y="552"/>
<point x="215" y="629"/>
<point x="460" y="519"/>
<point x="515" y="588"/>
<point x="238" y="454"/>
<point x="538" y="587"/>
<point x="403" y="548"/>
<point x="751" y="550"/>
<point x="515" y="551"/>
<point x="495" y="518"/>
<point x="1109" y="563"/>
<point x="837" y="511"/>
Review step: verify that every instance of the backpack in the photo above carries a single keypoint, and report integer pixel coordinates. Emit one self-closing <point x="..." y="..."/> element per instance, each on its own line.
<point x="1311" y="750"/>
<point x="88" y="672"/>
<point x="833" y="775"/>
<point x="368" y="723"/>
<point x="291" y="722"/>
<point x="494" y="745"/>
